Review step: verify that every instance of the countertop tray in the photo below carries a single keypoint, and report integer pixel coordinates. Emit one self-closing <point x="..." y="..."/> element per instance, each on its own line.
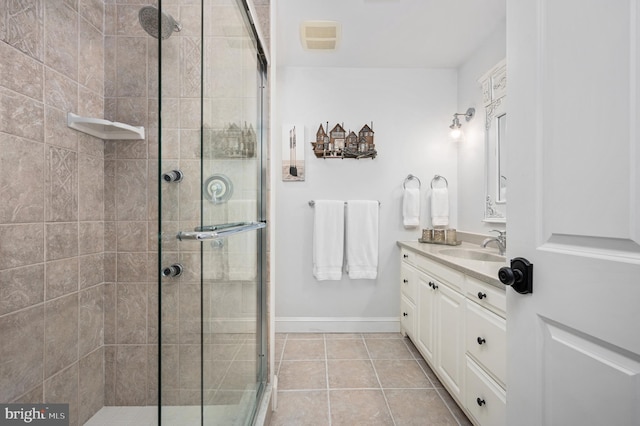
<point x="457" y="243"/>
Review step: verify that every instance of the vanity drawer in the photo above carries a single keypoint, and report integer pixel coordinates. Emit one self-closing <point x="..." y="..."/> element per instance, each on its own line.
<point x="408" y="256"/>
<point x="450" y="276"/>
<point x="408" y="282"/>
<point x="407" y="316"/>
<point x="486" y="338"/>
<point x="487" y="295"/>
<point x="484" y="399"/>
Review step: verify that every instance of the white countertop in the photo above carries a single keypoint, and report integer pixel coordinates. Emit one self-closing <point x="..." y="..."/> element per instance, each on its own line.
<point x="484" y="271"/>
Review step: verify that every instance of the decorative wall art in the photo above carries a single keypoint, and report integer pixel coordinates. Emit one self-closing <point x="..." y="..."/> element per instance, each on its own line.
<point x="337" y="143"/>
<point x="293" y="153"/>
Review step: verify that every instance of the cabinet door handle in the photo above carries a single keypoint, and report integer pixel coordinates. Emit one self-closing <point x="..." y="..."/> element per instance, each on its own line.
<point x="435" y="286"/>
<point x="405" y="281"/>
<point x="406" y="256"/>
<point x="480" y="340"/>
<point x="405" y="314"/>
<point x="481" y="295"/>
<point x="480" y="402"/>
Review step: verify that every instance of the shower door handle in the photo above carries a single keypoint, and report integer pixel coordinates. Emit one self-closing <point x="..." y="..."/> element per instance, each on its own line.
<point x="219" y="227"/>
<point x="219" y="231"/>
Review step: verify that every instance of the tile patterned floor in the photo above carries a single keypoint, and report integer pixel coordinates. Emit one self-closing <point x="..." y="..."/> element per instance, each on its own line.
<point x="358" y="379"/>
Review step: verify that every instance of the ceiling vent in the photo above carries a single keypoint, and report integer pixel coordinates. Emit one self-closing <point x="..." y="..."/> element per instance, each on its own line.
<point x="320" y="35"/>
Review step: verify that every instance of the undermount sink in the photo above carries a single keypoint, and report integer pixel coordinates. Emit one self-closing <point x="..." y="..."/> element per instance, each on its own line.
<point x="468" y="254"/>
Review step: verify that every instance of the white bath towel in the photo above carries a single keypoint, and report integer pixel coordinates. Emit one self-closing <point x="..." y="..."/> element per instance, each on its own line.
<point x="440" y="207"/>
<point x="411" y="207"/>
<point x="242" y="248"/>
<point x="362" y="239"/>
<point x="328" y="239"/>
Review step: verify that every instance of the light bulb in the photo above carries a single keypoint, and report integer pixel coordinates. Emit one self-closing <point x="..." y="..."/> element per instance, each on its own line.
<point x="456" y="134"/>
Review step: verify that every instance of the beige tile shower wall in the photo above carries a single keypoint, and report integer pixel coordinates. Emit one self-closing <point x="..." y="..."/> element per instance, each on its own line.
<point x="52" y="210"/>
<point x="263" y="10"/>
<point x="130" y="210"/>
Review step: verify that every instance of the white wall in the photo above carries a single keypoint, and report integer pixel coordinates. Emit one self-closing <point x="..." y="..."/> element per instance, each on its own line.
<point x="471" y="153"/>
<point x="411" y="110"/>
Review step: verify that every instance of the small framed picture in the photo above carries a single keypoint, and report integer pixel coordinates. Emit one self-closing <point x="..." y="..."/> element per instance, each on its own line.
<point x="293" y="168"/>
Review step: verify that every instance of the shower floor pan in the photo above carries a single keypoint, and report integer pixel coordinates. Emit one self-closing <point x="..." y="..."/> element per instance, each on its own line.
<point x="231" y="415"/>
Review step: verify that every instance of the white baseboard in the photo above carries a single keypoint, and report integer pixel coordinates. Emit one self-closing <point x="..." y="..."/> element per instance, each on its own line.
<point x="337" y="324"/>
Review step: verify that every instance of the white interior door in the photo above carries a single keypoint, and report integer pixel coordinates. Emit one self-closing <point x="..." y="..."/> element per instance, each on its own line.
<point x="574" y="212"/>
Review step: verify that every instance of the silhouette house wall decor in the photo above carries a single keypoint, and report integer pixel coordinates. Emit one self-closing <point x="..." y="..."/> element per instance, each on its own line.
<point x="338" y="144"/>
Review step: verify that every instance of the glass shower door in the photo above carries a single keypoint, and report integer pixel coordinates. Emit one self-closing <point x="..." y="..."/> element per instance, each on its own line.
<point x="212" y="363"/>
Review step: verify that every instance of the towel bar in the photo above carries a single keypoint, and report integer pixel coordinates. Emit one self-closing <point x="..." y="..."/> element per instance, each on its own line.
<point x="313" y="203"/>
<point x="411" y="177"/>
<point x="438" y="177"/>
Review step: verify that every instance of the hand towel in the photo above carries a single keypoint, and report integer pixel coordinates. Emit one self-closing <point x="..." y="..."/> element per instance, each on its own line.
<point x="328" y="239"/>
<point x="440" y="207"/>
<point x="242" y="248"/>
<point x="411" y="207"/>
<point x="362" y="239"/>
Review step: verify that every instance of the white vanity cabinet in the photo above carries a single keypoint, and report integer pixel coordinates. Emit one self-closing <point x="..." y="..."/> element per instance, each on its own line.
<point x="439" y="334"/>
<point x="441" y="330"/>
<point x="408" y="296"/>
<point x="457" y="322"/>
<point x="486" y="353"/>
<point x="425" y="336"/>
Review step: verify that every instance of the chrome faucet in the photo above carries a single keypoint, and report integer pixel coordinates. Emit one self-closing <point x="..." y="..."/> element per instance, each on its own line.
<point x="500" y="240"/>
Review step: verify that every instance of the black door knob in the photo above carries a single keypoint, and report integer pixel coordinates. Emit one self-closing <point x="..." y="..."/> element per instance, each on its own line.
<point x="405" y="281"/>
<point x="405" y="314"/>
<point x="480" y="340"/>
<point x="480" y="402"/>
<point x="519" y="276"/>
<point x="481" y="295"/>
<point x="405" y="256"/>
<point x="509" y="276"/>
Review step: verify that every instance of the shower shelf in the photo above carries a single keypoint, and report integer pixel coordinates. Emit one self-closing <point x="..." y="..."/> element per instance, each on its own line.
<point x="104" y="129"/>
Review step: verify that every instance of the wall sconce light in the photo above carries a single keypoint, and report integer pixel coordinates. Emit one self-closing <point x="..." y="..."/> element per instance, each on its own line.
<point x="456" y="133"/>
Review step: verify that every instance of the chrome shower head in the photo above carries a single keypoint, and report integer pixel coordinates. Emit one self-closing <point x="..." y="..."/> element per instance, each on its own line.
<point x="148" y="17"/>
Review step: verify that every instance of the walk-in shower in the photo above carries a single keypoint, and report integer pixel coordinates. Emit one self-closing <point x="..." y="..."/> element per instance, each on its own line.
<point x="102" y="307"/>
<point x="157" y="23"/>
<point x="212" y="222"/>
<point x="205" y="335"/>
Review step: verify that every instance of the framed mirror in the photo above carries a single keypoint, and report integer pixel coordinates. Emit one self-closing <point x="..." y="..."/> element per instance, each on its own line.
<point x="496" y="144"/>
